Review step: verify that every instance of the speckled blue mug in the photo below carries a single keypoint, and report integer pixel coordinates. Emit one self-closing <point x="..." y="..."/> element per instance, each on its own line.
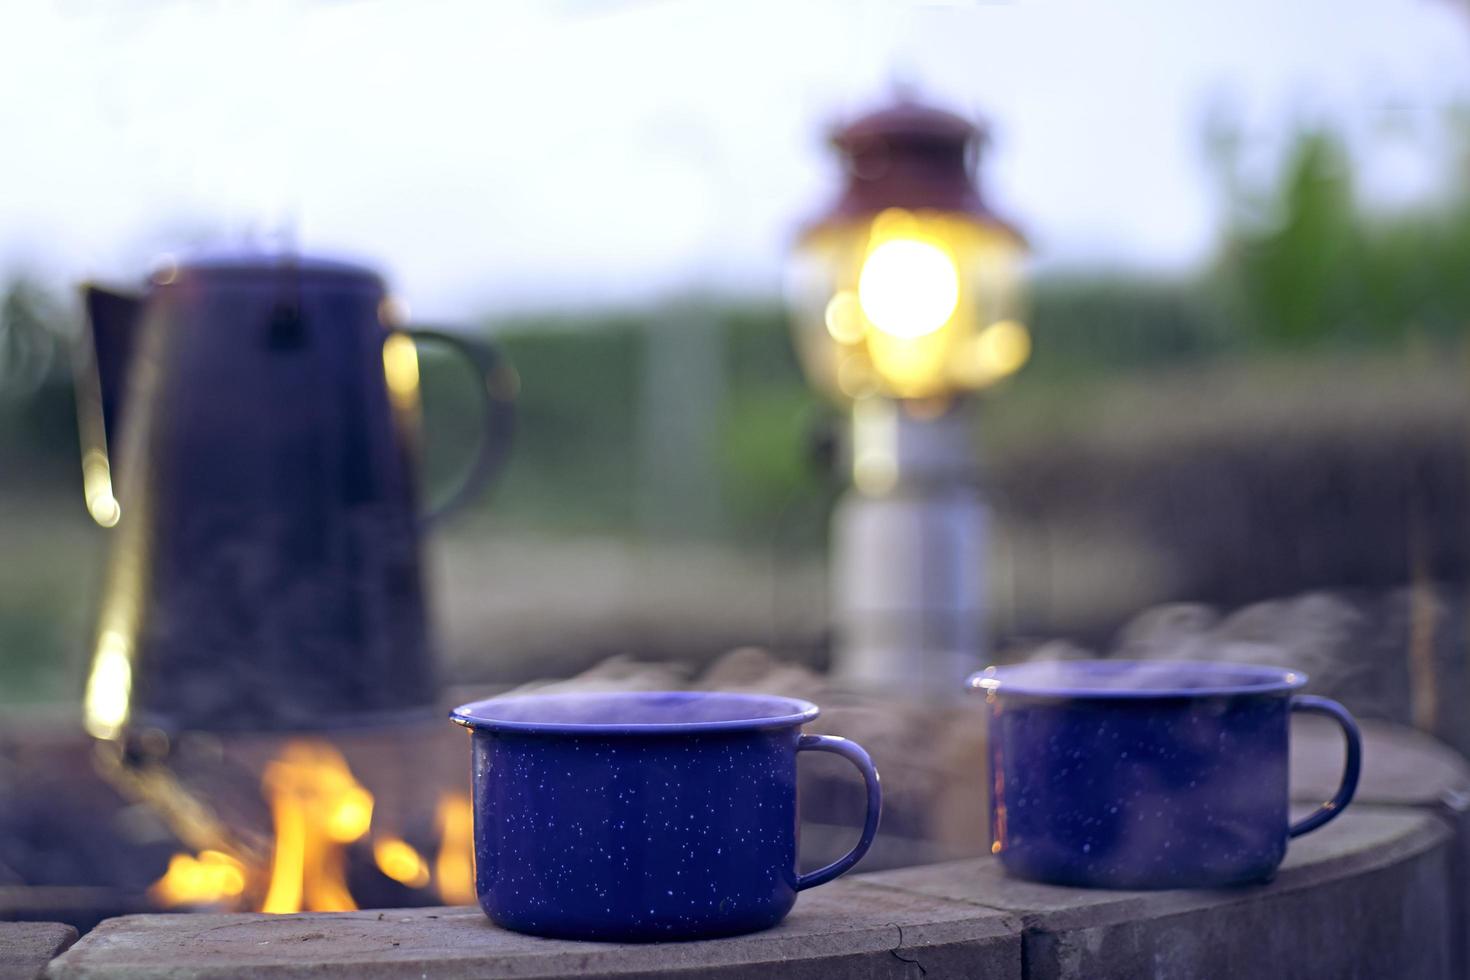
<point x="637" y="816"/>
<point x="1147" y="774"/>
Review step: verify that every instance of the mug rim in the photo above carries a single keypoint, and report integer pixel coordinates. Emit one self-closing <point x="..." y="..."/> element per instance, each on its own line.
<point x="1050" y="678"/>
<point x="489" y="715"/>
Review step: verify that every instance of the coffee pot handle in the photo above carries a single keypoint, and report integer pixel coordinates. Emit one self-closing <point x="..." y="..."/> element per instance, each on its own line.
<point x="852" y="752"/>
<point x="1327" y="811"/>
<point x="497" y="387"/>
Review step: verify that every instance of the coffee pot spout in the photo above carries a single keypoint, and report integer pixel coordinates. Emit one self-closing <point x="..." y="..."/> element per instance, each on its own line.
<point x="113" y="321"/>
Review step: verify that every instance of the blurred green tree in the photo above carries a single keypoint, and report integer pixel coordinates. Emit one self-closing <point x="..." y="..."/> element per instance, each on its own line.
<point x="1298" y="275"/>
<point x="1305" y="263"/>
<point x="35" y="331"/>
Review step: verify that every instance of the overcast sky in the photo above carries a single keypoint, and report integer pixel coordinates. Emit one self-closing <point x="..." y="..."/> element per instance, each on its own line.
<point x="491" y="156"/>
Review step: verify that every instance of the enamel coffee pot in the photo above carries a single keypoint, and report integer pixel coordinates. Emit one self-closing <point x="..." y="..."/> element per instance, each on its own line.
<point x="259" y="416"/>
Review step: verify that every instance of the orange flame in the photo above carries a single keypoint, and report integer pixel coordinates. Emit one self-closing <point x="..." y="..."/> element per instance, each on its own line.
<point x="318" y="807"/>
<point x="454" y="868"/>
<point x="397" y="859"/>
<point x="210" y="879"/>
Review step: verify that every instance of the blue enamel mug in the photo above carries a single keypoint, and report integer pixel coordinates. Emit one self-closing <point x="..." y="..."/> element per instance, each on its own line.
<point x="636" y="816"/>
<point x="1147" y="774"/>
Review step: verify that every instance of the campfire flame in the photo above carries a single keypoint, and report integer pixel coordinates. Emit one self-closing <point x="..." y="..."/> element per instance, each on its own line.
<point x="398" y="860"/>
<point x="320" y="810"/>
<point x="212" y="878"/>
<point x="454" y="868"/>
<point x="317" y="807"/>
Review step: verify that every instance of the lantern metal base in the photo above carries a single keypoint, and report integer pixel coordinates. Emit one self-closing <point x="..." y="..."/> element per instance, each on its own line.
<point x="908" y="558"/>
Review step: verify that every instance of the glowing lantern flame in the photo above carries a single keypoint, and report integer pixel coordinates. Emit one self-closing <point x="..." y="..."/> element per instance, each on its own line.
<point x="1004" y="346"/>
<point x="997" y="351"/>
<point x="915" y="305"/>
<point x="908" y="288"/>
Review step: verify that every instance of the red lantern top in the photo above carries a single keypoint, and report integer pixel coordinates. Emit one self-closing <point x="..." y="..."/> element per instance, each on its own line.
<point x="909" y="156"/>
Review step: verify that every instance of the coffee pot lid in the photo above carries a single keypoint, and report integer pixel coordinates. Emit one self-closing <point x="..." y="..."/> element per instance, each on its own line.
<point x="268" y="265"/>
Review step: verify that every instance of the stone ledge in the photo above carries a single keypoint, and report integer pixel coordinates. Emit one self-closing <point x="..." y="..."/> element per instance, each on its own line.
<point x="847" y="928"/>
<point x="1366" y="896"/>
<point x="26" y="947"/>
<point x="1363" y="840"/>
<point x="1401" y="767"/>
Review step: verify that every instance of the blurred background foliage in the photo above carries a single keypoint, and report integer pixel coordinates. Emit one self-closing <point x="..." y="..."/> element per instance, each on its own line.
<point x="1302" y="268"/>
<point x="1317" y="269"/>
<point x="1308" y="293"/>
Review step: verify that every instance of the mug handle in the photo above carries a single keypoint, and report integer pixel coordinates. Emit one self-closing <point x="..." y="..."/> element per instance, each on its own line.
<point x="497" y="390"/>
<point x="852" y="752"/>
<point x="1311" y="704"/>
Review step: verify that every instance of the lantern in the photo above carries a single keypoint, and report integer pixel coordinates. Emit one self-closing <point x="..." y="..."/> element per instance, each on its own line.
<point x="907" y="287"/>
<point x="904" y="299"/>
